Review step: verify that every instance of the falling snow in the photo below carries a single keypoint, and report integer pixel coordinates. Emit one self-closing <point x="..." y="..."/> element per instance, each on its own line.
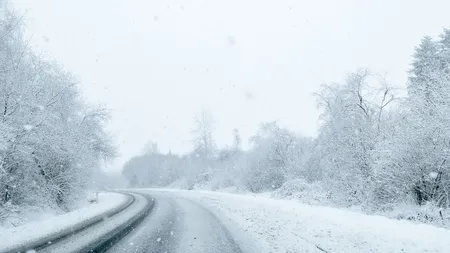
<point x="433" y="174"/>
<point x="28" y="127"/>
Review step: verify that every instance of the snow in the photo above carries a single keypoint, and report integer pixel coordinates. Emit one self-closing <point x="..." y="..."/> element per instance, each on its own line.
<point x="290" y="226"/>
<point x="433" y="175"/>
<point x="28" y="127"/>
<point x="78" y="242"/>
<point x="35" y="231"/>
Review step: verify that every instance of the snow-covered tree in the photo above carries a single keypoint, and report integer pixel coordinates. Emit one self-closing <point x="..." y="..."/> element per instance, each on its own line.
<point x="352" y="120"/>
<point x="414" y="163"/>
<point x="49" y="138"/>
<point x="237" y="140"/>
<point x="204" y="144"/>
<point x="275" y="157"/>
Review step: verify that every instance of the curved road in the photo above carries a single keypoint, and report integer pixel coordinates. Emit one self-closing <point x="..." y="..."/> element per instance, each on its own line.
<point x="177" y="225"/>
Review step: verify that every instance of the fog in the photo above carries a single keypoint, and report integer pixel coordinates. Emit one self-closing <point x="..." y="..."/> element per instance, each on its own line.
<point x="157" y="65"/>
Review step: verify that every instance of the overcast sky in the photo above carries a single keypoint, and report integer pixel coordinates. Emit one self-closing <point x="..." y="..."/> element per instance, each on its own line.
<point x="156" y="64"/>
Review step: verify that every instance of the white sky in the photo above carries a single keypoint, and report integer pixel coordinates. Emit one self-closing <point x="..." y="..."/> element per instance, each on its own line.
<point x="155" y="64"/>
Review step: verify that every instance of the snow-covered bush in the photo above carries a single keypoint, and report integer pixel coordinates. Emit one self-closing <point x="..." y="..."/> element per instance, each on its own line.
<point x="181" y="184"/>
<point x="92" y="197"/>
<point x="427" y="213"/>
<point x="299" y="189"/>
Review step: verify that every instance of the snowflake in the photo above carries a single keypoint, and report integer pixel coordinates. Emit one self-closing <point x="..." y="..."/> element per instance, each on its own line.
<point x="433" y="174"/>
<point x="28" y="127"/>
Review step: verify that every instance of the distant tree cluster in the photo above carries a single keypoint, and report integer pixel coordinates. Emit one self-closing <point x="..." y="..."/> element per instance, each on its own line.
<point x="374" y="149"/>
<point x="50" y="140"/>
<point x="276" y="156"/>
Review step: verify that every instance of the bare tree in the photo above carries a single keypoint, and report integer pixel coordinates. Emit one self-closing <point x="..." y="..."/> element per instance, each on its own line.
<point x="237" y="141"/>
<point x="204" y="143"/>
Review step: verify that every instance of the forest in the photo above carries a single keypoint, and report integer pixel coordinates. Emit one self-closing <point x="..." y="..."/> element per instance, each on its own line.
<point x="376" y="150"/>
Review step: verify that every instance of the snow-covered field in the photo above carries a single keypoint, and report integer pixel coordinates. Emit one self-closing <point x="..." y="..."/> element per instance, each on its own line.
<point x="290" y="226"/>
<point x="33" y="231"/>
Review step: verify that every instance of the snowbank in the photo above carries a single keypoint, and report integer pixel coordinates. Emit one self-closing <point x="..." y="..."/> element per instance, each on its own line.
<point x="428" y="214"/>
<point x="33" y="231"/>
<point x="289" y="226"/>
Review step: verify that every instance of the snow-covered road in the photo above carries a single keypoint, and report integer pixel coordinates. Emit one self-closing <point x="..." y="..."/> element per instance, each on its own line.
<point x="101" y="235"/>
<point x="177" y="224"/>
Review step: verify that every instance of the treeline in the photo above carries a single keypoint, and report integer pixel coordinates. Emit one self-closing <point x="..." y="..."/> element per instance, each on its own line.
<point x="50" y="139"/>
<point x="374" y="149"/>
<point x="275" y="157"/>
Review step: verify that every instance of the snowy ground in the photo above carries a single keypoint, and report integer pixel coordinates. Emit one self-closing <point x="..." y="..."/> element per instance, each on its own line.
<point x="273" y="225"/>
<point x="289" y="226"/>
<point x="32" y="231"/>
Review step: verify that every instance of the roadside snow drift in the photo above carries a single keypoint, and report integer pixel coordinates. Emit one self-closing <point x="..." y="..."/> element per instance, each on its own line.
<point x="289" y="226"/>
<point x="35" y="231"/>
